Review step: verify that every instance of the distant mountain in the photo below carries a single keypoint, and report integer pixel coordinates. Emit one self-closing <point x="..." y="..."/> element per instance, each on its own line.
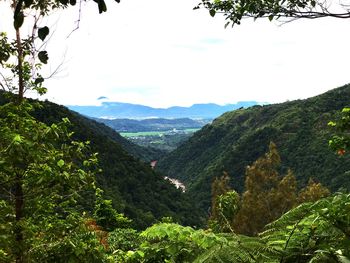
<point x="156" y="124"/>
<point x="238" y="138"/>
<point x="118" y="110"/>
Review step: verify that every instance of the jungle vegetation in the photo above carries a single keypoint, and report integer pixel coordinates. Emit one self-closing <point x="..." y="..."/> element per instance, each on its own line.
<point x="53" y="207"/>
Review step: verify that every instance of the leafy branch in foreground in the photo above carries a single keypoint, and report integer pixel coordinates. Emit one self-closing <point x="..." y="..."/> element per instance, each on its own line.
<point x="313" y="232"/>
<point x="236" y="10"/>
<point x="43" y="177"/>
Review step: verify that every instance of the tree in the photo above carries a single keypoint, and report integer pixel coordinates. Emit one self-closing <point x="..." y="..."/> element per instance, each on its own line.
<point x="235" y="10"/>
<point x="42" y="171"/>
<point x="267" y="195"/>
<point x="340" y="142"/>
<point x="20" y="56"/>
<point x="312" y="192"/>
<point x="106" y="216"/>
<point x="224" y="204"/>
<point x="43" y="174"/>
<point x="219" y="187"/>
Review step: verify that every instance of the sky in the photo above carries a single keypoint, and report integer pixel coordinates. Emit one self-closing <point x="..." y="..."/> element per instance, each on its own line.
<point x="163" y="53"/>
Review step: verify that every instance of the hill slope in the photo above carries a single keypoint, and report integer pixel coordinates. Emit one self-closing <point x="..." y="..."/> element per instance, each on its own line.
<point x="237" y="138"/>
<point x="137" y="190"/>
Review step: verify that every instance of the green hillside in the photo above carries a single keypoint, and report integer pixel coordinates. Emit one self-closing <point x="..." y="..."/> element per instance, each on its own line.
<point x="237" y="138"/>
<point x="138" y="191"/>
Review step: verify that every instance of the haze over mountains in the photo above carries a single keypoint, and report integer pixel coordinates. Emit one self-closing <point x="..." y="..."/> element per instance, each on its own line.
<point x="119" y="110"/>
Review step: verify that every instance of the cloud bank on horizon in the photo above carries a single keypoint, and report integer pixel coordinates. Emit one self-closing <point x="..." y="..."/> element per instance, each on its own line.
<point x="162" y="53"/>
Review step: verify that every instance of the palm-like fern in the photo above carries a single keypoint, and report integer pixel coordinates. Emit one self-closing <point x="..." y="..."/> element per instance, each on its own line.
<point x="312" y="232"/>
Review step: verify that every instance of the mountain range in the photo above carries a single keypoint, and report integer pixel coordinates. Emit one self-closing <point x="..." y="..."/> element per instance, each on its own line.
<point x="237" y="138"/>
<point x="119" y="110"/>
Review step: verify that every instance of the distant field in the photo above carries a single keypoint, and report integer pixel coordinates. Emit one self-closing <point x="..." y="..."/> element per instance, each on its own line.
<point x="156" y="133"/>
<point x="138" y="134"/>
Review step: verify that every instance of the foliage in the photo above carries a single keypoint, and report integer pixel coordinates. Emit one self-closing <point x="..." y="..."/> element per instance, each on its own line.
<point x="134" y="188"/>
<point x="267" y="195"/>
<point x="107" y="217"/>
<point x="236" y="10"/>
<point x="237" y="138"/>
<point x="124" y="239"/>
<point x="228" y="205"/>
<point x="340" y="142"/>
<point x="312" y="192"/>
<point x="52" y="173"/>
<point x="224" y="204"/>
<point x="169" y="242"/>
<point x="219" y="187"/>
<point x="313" y="232"/>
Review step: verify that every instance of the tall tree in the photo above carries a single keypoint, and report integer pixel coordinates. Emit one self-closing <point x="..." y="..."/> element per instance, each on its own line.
<point x="267" y="195"/>
<point x="219" y="187"/>
<point x="42" y="170"/>
<point x="43" y="174"/>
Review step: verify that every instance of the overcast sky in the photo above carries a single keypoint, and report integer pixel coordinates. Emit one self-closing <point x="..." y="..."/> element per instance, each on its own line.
<point x="162" y="53"/>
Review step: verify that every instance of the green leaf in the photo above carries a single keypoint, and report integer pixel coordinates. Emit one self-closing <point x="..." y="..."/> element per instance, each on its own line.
<point x="17" y="139"/>
<point x="101" y="6"/>
<point x="64" y="2"/>
<point x="72" y="2"/>
<point x="43" y="32"/>
<point x="43" y="56"/>
<point x="271" y="17"/>
<point x="212" y="12"/>
<point x="60" y="163"/>
<point x="18" y="20"/>
<point x="4" y="56"/>
<point x="28" y="3"/>
<point x="39" y="80"/>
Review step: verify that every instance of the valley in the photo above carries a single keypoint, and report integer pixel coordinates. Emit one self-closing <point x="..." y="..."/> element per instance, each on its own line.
<point x="228" y="179"/>
<point x="166" y="141"/>
<point x="157" y="133"/>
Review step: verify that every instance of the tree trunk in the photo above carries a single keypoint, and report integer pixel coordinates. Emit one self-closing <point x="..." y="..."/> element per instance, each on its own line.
<point x="20" y="66"/>
<point x="18" y="188"/>
<point x="19" y="201"/>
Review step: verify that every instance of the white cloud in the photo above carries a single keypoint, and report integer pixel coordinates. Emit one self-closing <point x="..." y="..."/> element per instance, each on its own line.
<point x="162" y="53"/>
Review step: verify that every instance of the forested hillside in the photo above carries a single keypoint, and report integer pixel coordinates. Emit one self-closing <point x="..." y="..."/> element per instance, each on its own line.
<point x="234" y="140"/>
<point x="135" y="189"/>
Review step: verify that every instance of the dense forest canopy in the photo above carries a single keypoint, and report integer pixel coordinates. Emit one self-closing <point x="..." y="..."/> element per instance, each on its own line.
<point x="237" y="138"/>
<point x="52" y="209"/>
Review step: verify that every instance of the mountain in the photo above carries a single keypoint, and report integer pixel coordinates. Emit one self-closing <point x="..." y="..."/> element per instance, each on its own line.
<point x="133" y="186"/>
<point x="118" y="110"/>
<point x="156" y="124"/>
<point x="237" y="138"/>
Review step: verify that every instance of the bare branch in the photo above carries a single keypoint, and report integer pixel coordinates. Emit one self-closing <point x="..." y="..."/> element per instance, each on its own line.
<point x="78" y="21"/>
<point x="58" y="68"/>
